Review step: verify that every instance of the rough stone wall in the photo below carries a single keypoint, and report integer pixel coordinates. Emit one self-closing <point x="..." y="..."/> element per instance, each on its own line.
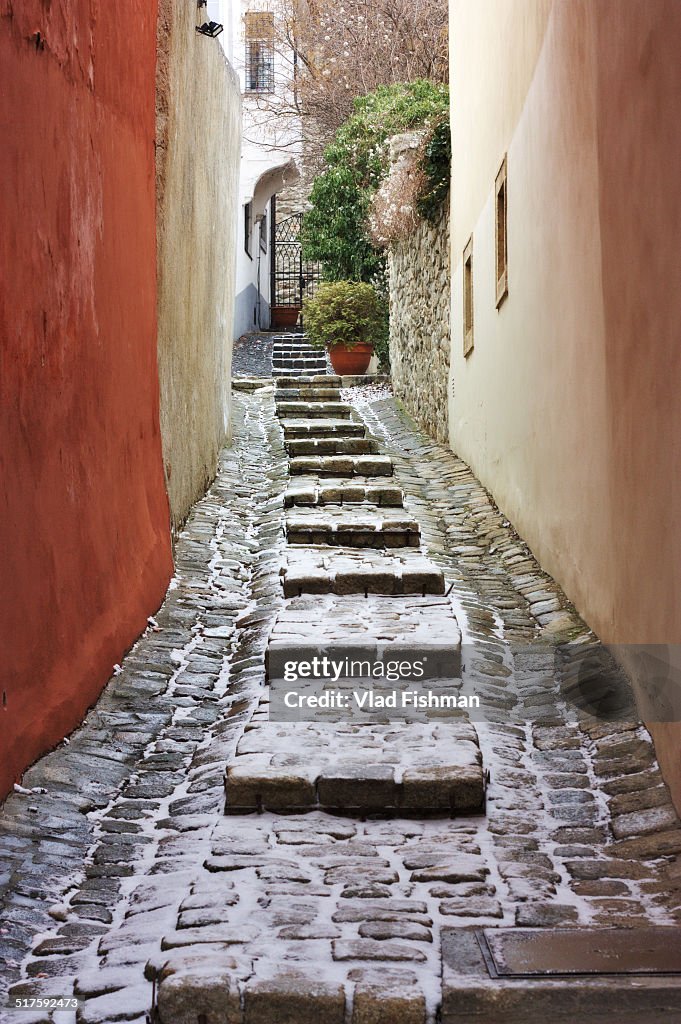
<point x="198" y="145"/>
<point x="420" y="277"/>
<point x="85" y="549"/>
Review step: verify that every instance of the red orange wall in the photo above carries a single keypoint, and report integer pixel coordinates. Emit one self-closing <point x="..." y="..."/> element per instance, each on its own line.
<point x="84" y="532"/>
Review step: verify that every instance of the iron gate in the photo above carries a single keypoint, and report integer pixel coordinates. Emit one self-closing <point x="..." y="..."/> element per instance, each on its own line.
<point x="293" y="278"/>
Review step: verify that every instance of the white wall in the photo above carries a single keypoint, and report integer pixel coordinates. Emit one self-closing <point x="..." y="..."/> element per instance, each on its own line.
<point x="271" y="143"/>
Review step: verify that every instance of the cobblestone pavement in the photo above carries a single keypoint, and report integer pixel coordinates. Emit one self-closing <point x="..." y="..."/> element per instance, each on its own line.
<point x="252" y="356"/>
<point x="122" y="879"/>
<point x="267" y="354"/>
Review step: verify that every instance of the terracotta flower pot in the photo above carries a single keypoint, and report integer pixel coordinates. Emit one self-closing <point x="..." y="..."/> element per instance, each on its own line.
<point x="284" y="318"/>
<point x="351" y="361"/>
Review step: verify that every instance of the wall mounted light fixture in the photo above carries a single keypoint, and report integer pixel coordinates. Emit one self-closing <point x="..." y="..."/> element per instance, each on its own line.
<point x="209" y="28"/>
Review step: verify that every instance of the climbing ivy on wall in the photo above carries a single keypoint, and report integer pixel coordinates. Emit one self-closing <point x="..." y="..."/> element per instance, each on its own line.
<point x="436" y="162"/>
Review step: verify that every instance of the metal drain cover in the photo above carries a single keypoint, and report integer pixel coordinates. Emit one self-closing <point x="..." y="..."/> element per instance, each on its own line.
<point x="547" y="952"/>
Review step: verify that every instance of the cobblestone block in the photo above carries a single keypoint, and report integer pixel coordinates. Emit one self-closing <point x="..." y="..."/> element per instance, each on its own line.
<point x="648" y="847"/>
<point x="459" y="868"/>
<point x="372" y="949"/>
<point x="220" y="935"/>
<point x="293" y="999"/>
<point x="384" y="910"/>
<point x="545" y="915"/>
<point x="252" y="788"/>
<point x="209" y="993"/>
<point x="447" y="788"/>
<point x="375" y="1004"/>
<point x="644" y="822"/>
<point x="591" y="870"/>
<point x="471" y="906"/>
<point x="360" y="789"/>
<point x="384" y="930"/>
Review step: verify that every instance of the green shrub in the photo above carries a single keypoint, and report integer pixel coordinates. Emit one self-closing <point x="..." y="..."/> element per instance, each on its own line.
<point x="346" y="313"/>
<point x="335" y="228"/>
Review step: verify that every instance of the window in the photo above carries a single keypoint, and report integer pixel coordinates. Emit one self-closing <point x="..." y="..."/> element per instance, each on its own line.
<point x="248" y="227"/>
<point x="259" y="51"/>
<point x="468" y="298"/>
<point x="264" y="229"/>
<point x="501" y="234"/>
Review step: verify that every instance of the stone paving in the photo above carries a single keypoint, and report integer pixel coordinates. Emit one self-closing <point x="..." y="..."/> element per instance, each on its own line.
<point x="124" y="881"/>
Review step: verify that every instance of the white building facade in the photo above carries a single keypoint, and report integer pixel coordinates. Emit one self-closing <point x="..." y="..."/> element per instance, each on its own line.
<point x="255" y="40"/>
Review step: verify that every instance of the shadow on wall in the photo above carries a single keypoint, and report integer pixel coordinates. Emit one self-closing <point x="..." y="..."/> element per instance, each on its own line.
<point x="198" y="151"/>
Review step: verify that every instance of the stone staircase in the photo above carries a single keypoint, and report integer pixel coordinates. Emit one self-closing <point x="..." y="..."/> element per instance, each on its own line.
<point x="292" y="355"/>
<point x="353" y="878"/>
<point x="355" y="580"/>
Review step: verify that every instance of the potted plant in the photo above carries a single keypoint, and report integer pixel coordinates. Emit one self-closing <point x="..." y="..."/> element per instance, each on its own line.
<point x="284" y="318"/>
<point x="350" y="319"/>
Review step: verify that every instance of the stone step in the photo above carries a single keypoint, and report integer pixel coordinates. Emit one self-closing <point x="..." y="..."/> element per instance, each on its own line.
<point x="305" y="381"/>
<point x="308" y="410"/>
<point x="299" y="358"/>
<point x="310" y="491"/>
<point x="331" y="446"/>
<point x="353" y="526"/>
<point x="316" y="394"/>
<point x="289" y="373"/>
<point x="364" y="379"/>
<point x="320" y="570"/>
<point x="305" y="365"/>
<point x="321" y="428"/>
<point x="249" y="384"/>
<point x="282" y="356"/>
<point x="344" y="768"/>
<point x="333" y="620"/>
<point x="299" y="348"/>
<point x="290" y="340"/>
<point x="342" y="465"/>
<point x="294" y="345"/>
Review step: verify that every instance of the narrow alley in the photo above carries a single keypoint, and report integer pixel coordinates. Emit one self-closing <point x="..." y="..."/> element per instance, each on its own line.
<point x="182" y="858"/>
<point x="340" y="524"/>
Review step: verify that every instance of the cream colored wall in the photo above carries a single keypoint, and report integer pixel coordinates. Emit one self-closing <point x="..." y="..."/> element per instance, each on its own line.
<point x="494" y="45"/>
<point x="565" y="409"/>
<point x="528" y="394"/>
<point x="198" y="153"/>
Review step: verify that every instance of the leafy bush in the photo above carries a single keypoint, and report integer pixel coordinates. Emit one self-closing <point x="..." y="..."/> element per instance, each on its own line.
<point x="335" y="228"/>
<point x="346" y="313"/>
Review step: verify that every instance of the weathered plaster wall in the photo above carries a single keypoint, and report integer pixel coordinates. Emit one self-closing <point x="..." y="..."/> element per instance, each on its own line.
<point x="420" y="281"/>
<point x="198" y="151"/>
<point x="83" y="510"/>
<point x="567" y="408"/>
